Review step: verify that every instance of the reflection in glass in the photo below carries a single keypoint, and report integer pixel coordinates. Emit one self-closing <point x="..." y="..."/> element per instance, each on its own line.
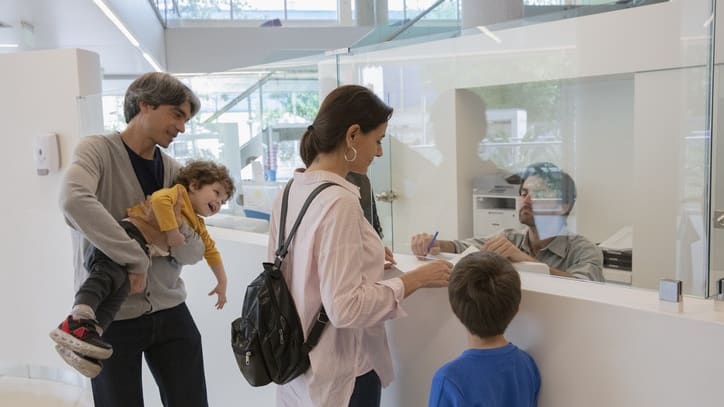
<point x="566" y="94"/>
<point x="624" y="112"/>
<point x="547" y="196"/>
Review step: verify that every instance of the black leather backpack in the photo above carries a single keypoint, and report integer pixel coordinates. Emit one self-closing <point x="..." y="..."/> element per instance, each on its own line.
<point x="268" y="339"/>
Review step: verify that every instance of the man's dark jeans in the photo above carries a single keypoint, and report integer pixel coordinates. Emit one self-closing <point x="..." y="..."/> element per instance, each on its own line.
<point x="171" y="344"/>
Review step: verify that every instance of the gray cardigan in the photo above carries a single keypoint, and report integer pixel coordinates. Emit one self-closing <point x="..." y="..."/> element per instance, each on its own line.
<point x="97" y="189"/>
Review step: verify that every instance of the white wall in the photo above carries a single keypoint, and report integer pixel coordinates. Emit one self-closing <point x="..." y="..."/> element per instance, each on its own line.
<point x="668" y="109"/>
<point x="215" y="49"/>
<point x="40" y="91"/>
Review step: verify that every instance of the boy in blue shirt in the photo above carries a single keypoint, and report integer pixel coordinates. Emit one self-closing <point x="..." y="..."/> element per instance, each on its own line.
<point x="484" y="293"/>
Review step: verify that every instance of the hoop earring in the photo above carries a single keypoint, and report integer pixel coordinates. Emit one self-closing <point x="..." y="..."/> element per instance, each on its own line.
<point x="353" y="157"/>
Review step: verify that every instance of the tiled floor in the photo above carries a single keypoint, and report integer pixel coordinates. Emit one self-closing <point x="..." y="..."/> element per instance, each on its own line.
<point x="26" y="392"/>
<point x="43" y="386"/>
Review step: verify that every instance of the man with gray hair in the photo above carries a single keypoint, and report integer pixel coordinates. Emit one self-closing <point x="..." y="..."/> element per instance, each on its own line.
<point x="108" y="174"/>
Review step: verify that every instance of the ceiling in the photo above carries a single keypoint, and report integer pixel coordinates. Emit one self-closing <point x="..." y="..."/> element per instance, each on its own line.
<point x="70" y="24"/>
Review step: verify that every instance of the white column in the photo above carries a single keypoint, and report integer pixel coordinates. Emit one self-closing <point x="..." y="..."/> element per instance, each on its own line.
<point x="381" y="12"/>
<point x="344" y="12"/>
<point x="486" y="12"/>
<point x="364" y="11"/>
<point x="371" y="12"/>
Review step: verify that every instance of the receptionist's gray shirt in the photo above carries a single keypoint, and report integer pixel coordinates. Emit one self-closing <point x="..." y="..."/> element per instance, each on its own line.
<point x="571" y="253"/>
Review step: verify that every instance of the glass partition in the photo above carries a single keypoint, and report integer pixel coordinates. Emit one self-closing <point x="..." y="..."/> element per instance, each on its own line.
<point x="621" y="101"/>
<point x="625" y="113"/>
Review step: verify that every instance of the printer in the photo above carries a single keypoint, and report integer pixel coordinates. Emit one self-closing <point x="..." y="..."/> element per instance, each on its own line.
<point x="495" y="205"/>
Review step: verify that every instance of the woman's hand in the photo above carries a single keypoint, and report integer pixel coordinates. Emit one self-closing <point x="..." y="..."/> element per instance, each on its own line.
<point x="435" y="273"/>
<point x="389" y="258"/>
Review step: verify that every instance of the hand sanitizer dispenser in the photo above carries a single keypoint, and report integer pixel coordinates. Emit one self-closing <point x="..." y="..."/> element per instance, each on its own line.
<point x="47" y="153"/>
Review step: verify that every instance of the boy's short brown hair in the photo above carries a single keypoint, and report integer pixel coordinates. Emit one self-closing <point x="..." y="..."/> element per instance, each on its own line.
<point x="484" y="293"/>
<point x="204" y="173"/>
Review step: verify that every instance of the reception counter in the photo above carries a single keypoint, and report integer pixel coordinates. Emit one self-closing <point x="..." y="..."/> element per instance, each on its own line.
<point x="595" y="344"/>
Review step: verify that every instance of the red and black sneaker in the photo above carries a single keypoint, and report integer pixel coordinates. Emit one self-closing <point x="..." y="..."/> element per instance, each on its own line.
<point x="81" y="336"/>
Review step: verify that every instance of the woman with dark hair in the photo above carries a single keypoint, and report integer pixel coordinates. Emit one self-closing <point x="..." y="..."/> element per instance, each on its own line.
<point x="337" y="259"/>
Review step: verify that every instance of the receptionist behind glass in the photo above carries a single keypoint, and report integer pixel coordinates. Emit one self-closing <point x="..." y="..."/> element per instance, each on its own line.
<point x="547" y="196"/>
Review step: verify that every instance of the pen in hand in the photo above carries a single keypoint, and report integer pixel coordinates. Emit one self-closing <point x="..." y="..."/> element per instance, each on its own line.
<point x="432" y="242"/>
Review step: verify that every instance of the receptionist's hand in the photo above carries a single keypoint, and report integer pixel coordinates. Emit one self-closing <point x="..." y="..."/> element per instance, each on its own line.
<point x="421" y="241"/>
<point x="504" y="247"/>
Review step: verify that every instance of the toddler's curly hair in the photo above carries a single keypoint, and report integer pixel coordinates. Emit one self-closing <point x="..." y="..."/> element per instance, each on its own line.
<point x="203" y="172"/>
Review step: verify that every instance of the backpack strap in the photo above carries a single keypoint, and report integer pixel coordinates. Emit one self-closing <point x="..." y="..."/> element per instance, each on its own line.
<point x="282" y="224"/>
<point x="316" y="332"/>
<point x="283" y="248"/>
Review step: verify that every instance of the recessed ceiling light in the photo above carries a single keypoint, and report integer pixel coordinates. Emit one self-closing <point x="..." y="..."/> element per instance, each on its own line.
<point x="122" y="28"/>
<point x="152" y="61"/>
<point x="111" y="16"/>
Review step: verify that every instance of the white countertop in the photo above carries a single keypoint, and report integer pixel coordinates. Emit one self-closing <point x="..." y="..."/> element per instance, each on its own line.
<point x="614" y="294"/>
